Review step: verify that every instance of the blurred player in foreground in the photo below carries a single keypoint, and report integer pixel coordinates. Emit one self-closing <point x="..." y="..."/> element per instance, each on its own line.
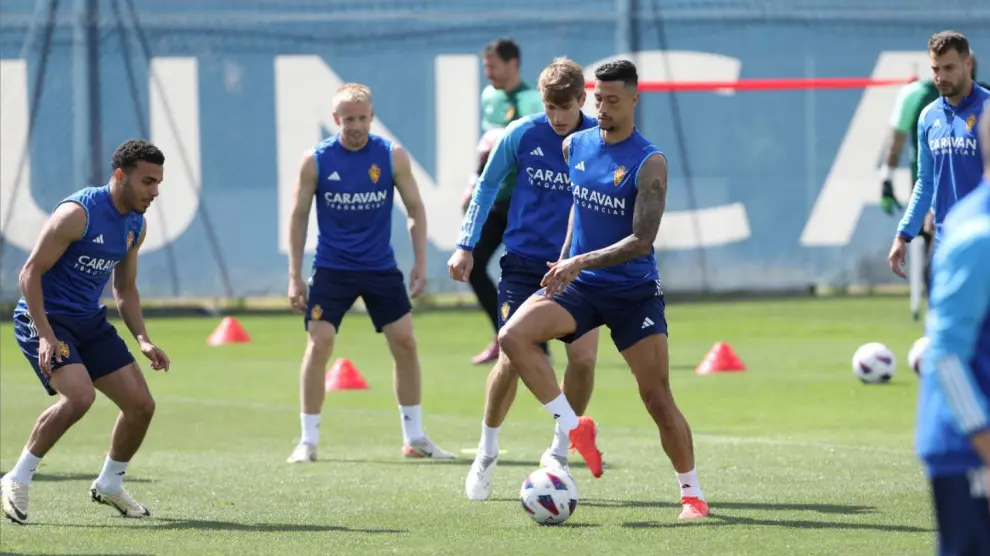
<point x="953" y="429"/>
<point x="63" y="330"/>
<point x="531" y="151"/>
<point x="610" y="277"/>
<point x="949" y="162"/>
<point x="353" y="176"/>
<point x="506" y="99"/>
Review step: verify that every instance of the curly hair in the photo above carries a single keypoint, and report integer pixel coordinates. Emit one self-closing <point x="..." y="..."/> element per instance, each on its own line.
<point x="133" y="151"/>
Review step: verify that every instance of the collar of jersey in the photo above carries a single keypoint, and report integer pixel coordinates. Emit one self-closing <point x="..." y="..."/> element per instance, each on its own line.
<point x="965" y="102"/>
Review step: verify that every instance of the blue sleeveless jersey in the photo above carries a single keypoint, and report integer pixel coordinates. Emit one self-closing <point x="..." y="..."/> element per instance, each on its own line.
<point x="354" y="197"/>
<point x="74" y="284"/>
<point x="603" y="179"/>
<point x="954" y="394"/>
<point x="530" y="151"/>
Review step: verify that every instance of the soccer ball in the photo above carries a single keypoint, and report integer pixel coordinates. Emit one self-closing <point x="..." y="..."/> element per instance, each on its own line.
<point x="549" y="496"/>
<point x="917" y="353"/>
<point x="874" y="363"/>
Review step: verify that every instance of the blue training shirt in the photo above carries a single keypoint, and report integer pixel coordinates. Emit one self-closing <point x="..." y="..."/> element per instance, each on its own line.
<point x="604" y="189"/>
<point x="954" y="395"/>
<point x="354" y="196"/>
<point x="949" y="160"/>
<point x="540" y="204"/>
<point x="73" y="285"/>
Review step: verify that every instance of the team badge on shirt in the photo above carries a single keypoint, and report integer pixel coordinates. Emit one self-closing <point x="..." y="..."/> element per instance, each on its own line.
<point x="317" y="312"/>
<point x="970" y="122"/>
<point x="505" y="310"/>
<point x="620" y="173"/>
<point x="510" y="113"/>
<point x="130" y="239"/>
<point x="374" y="172"/>
<point x="63" y="349"/>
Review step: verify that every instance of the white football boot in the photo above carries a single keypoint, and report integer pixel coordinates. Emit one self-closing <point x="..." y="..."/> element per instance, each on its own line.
<point x="302" y="452"/>
<point x="425" y="448"/>
<point x="120" y="501"/>
<point x="549" y="461"/>
<point x="14" y="499"/>
<point x="478" y="485"/>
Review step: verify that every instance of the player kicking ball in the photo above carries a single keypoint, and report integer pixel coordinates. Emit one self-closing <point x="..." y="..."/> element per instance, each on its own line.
<point x="610" y="276"/>
<point x="353" y="176"/>
<point x="538" y="212"/>
<point x="63" y="330"/>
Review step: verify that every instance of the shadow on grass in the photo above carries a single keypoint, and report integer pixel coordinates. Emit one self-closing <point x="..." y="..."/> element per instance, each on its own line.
<point x="171" y="524"/>
<point x="720" y="519"/>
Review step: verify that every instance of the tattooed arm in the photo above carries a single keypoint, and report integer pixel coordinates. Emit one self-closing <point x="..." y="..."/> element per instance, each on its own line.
<point x="651" y="200"/>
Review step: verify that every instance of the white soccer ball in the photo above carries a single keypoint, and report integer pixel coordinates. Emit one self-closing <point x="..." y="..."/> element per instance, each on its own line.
<point x="917" y="353"/>
<point x="874" y="363"/>
<point x="549" y="496"/>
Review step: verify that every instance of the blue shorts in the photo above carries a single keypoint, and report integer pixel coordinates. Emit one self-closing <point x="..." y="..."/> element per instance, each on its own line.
<point x="92" y="342"/>
<point x="520" y="279"/>
<point x="332" y="292"/>
<point x="630" y="314"/>
<point x="963" y="519"/>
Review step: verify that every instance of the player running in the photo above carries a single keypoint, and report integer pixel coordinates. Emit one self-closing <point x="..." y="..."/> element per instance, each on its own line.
<point x="530" y="150"/>
<point x="352" y="176"/>
<point x="953" y="428"/>
<point x="949" y="164"/>
<point x="63" y="330"/>
<point x="610" y="276"/>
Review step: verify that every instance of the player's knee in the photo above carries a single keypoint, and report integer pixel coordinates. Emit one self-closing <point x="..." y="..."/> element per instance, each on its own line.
<point x="403" y="345"/>
<point x="77" y="403"/>
<point x="321" y="335"/>
<point x="512" y="340"/>
<point x="581" y="367"/>
<point x="658" y="398"/>
<point x="141" y="407"/>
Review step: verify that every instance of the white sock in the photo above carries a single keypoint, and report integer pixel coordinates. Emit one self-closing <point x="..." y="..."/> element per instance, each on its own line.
<point x="689" y="484"/>
<point x="310" y="428"/>
<point x="561" y="410"/>
<point x="25" y="467"/>
<point x="412" y="423"/>
<point x="561" y="442"/>
<point x="111" y="479"/>
<point x="489" y="440"/>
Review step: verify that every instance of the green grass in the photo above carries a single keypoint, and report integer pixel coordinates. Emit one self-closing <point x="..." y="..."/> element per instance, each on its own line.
<point x="794" y="455"/>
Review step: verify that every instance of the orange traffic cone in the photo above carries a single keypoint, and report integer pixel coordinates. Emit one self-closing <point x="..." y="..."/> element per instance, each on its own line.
<point x="720" y="359"/>
<point x="343" y="375"/>
<point x="228" y="332"/>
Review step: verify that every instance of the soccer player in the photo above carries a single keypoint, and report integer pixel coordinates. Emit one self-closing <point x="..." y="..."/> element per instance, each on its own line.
<point x="949" y="164"/>
<point x="63" y="330"/>
<point x="353" y="176"/>
<point x="610" y="276"/>
<point x="953" y="428"/>
<point x="506" y="99"/>
<point x="531" y="151"/>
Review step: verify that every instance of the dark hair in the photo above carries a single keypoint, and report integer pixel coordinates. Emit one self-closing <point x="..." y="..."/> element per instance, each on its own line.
<point x="618" y="70"/>
<point x="506" y="49"/>
<point x="129" y="153"/>
<point x="944" y="41"/>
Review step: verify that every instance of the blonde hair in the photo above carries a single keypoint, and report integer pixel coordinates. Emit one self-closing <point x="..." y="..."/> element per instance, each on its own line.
<point x="351" y="92"/>
<point x="562" y="81"/>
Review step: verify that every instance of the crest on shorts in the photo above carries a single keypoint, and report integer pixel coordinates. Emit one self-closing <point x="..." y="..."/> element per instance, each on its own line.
<point x="317" y="312"/>
<point x="374" y="173"/>
<point x="505" y="310"/>
<point x="620" y="173"/>
<point x="970" y="122"/>
<point x="130" y="239"/>
<point x="63" y="349"/>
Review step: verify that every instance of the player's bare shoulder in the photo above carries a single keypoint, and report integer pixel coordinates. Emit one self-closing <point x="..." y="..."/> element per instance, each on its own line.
<point x="69" y="221"/>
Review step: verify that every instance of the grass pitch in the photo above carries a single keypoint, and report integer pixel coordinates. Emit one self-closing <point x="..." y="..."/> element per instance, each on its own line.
<point x="794" y="455"/>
